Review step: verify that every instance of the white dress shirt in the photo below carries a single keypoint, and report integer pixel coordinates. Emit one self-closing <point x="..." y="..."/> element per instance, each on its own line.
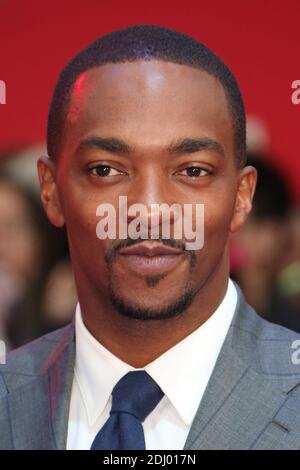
<point x="182" y="373"/>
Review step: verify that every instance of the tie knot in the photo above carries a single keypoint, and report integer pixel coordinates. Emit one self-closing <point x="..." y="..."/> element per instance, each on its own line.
<point x="137" y="394"/>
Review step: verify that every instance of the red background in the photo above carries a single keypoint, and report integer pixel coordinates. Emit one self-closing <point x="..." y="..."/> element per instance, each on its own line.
<point x="259" y="40"/>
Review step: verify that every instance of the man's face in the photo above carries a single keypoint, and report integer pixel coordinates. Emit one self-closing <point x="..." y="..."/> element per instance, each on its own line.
<point x="136" y="129"/>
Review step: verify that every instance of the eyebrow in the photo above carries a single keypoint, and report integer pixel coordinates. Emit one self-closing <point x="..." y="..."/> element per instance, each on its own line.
<point x="180" y="146"/>
<point x="193" y="145"/>
<point x="109" y="144"/>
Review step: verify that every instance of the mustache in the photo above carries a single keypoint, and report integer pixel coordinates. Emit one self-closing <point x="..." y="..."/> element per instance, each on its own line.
<point x="112" y="251"/>
<point x="118" y="244"/>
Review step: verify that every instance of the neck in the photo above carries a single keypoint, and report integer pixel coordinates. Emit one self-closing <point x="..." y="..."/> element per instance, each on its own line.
<point x="139" y="342"/>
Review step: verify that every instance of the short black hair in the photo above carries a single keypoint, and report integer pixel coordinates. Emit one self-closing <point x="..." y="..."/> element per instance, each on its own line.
<point x="146" y="42"/>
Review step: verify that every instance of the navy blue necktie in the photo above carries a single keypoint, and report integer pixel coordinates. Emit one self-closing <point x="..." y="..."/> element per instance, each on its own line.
<point x="133" y="399"/>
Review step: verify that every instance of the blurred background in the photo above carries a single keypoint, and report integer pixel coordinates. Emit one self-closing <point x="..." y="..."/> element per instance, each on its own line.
<point x="258" y="40"/>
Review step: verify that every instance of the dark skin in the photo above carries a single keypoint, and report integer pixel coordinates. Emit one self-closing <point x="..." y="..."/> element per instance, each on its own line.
<point x="151" y="121"/>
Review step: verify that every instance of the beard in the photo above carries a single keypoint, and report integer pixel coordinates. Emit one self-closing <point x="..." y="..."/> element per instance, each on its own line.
<point x="170" y="310"/>
<point x="164" y="312"/>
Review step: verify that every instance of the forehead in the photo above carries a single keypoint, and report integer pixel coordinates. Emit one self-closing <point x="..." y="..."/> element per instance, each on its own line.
<point x="147" y="100"/>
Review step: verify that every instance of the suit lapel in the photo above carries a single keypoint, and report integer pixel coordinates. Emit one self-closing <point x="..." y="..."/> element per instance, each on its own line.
<point x="237" y="406"/>
<point x="34" y="430"/>
<point x="45" y="424"/>
<point x="61" y="372"/>
<point x="241" y="408"/>
<point x="249" y="403"/>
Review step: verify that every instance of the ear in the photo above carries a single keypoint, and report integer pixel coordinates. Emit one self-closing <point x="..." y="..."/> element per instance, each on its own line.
<point x="49" y="191"/>
<point x="245" y="192"/>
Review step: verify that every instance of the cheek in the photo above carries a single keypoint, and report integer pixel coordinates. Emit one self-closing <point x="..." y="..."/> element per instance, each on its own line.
<point x="218" y="213"/>
<point x="79" y="205"/>
<point x="81" y="222"/>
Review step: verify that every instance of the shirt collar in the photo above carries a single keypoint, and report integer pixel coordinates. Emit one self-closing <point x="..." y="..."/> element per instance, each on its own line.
<point x="97" y="370"/>
<point x="182" y="372"/>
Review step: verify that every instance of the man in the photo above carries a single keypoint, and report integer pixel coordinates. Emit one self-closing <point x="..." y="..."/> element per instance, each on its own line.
<point x="163" y="353"/>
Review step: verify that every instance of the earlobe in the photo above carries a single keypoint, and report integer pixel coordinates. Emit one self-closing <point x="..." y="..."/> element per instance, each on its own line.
<point x="244" y="197"/>
<point x="49" y="191"/>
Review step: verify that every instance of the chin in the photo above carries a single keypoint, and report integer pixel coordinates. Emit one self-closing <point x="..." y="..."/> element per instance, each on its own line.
<point x="152" y="308"/>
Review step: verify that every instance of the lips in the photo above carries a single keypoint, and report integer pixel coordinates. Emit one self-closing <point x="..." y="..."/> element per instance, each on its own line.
<point x="150" y="249"/>
<point x="148" y="258"/>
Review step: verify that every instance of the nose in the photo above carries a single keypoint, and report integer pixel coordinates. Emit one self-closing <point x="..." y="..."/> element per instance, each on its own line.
<point x="152" y="196"/>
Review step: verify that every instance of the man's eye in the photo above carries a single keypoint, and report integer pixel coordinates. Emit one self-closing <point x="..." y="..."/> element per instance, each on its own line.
<point x="104" y="170"/>
<point x="194" y="171"/>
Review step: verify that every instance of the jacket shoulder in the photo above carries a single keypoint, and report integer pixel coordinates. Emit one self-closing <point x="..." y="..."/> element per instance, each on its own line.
<point x="23" y="364"/>
<point x="270" y="349"/>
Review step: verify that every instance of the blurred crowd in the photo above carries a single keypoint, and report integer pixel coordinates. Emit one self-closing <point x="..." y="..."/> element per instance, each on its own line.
<point x="37" y="290"/>
<point x="265" y="253"/>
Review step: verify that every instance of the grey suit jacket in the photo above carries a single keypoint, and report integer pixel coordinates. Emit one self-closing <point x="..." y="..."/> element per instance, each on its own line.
<point x="252" y="400"/>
